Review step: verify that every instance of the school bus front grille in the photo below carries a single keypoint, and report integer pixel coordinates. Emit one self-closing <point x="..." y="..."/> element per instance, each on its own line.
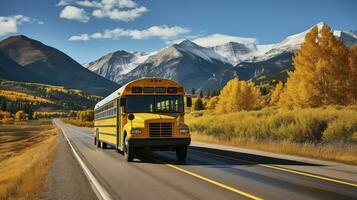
<point x="160" y="130"/>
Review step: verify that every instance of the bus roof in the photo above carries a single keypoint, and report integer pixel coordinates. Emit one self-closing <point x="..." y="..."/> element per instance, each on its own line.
<point x="121" y="90"/>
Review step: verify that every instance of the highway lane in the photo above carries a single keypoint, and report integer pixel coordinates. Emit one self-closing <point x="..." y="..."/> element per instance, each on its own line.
<point x="208" y="173"/>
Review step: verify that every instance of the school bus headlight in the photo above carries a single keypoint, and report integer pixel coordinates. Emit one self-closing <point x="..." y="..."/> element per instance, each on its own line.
<point x="184" y="130"/>
<point x="136" y="131"/>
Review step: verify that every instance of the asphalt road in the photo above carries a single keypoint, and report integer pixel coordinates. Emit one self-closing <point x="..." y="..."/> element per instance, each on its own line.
<point x="210" y="172"/>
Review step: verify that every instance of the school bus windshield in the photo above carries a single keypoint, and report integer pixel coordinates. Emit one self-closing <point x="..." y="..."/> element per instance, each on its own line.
<point x="154" y="104"/>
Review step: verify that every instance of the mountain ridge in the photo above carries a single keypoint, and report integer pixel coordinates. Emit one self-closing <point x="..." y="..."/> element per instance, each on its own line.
<point x="247" y="59"/>
<point x="52" y="66"/>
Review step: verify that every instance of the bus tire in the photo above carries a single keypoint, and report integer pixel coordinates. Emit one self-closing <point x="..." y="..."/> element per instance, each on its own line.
<point x="181" y="152"/>
<point x="104" y="145"/>
<point x="128" y="152"/>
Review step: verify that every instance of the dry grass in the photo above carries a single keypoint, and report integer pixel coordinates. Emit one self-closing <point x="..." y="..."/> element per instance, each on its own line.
<point x="77" y="122"/>
<point x="26" y="151"/>
<point x="333" y="152"/>
<point x="20" y="96"/>
<point x="328" y="133"/>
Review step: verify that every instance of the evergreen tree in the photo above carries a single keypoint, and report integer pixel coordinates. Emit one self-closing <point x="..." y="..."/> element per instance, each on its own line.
<point x="201" y="94"/>
<point x="198" y="104"/>
<point x="193" y="91"/>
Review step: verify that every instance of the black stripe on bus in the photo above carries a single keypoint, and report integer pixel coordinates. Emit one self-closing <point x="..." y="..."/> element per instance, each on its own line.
<point x="110" y="134"/>
<point x="112" y="125"/>
<point x="109" y="117"/>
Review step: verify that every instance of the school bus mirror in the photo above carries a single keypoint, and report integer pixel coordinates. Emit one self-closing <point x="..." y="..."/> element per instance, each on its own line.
<point x="189" y="101"/>
<point x="131" y="117"/>
<point x="122" y="102"/>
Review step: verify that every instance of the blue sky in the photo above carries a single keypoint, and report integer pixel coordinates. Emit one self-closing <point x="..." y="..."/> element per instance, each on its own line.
<point x="78" y="27"/>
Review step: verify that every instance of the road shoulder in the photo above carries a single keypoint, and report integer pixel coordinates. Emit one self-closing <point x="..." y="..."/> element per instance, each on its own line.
<point x="65" y="178"/>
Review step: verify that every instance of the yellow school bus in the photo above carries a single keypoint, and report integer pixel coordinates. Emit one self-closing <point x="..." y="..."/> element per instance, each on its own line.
<point x="144" y="113"/>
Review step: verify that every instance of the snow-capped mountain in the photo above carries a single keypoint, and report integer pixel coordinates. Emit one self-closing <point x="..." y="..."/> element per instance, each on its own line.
<point x="113" y="65"/>
<point x="207" y="63"/>
<point x="187" y="63"/>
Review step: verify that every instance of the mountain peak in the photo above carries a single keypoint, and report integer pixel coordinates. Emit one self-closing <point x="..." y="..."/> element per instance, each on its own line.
<point x="187" y="43"/>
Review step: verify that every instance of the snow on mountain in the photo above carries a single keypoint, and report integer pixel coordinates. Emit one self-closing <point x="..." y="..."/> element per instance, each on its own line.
<point x="203" y="52"/>
<point x="207" y="59"/>
<point x="118" y="63"/>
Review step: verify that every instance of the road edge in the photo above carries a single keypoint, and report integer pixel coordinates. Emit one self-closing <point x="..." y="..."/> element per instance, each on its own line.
<point x="96" y="186"/>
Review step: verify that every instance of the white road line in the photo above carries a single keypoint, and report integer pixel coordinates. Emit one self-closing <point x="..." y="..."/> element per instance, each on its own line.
<point x="97" y="187"/>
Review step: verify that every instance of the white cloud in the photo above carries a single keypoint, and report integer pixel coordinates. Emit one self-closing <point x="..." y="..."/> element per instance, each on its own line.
<point x="219" y="39"/>
<point x="86" y="3"/>
<point x="82" y="37"/>
<point x="119" y="10"/>
<point x="164" y="32"/>
<point x="120" y="15"/>
<point x="74" y="13"/>
<point x="10" y="24"/>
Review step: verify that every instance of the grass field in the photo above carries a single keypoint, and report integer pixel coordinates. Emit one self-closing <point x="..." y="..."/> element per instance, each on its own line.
<point x="25" y="152"/>
<point x="328" y="133"/>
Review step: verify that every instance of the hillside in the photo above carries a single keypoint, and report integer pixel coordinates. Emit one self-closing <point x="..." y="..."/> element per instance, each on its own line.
<point x="44" y="64"/>
<point x="15" y="94"/>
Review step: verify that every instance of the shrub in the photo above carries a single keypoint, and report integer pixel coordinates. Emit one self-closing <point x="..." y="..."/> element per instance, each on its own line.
<point x="8" y="120"/>
<point x="20" y="115"/>
<point x="313" y="125"/>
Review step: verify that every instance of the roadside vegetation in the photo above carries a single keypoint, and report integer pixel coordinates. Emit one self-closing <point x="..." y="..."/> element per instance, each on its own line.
<point x="313" y="114"/>
<point x="326" y="133"/>
<point x="83" y="118"/>
<point x="25" y="153"/>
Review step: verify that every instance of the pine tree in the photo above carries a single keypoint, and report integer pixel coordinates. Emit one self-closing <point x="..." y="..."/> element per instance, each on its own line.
<point x="198" y="104"/>
<point x="193" y="91"/>
<point x="201" y="94"/>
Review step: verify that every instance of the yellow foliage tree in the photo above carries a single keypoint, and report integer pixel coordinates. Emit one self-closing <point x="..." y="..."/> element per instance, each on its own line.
<point x="238" y="95"/>
<point x="20" y="115"/>
<point x="320" y="75"/>
<point x="85" y="115"/>
<point x="352" y="80"/>
<point x="212" y="102"/>
<point x="275" y="95"/>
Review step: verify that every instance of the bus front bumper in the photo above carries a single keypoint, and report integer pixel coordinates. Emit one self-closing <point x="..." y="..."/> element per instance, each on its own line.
<point x="159" y="142"/>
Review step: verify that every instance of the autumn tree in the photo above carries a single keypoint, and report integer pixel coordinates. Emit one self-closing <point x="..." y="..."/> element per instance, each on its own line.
<point x="238" y="95"/>
<point x="212" y="102"/>
<point x="198" y="104"/>
<point x="275" y="95"/>
<point x="20" y="115"/>
<point x="85" y="115"/>
<point x="320" y="75"/>
<point x="352" y="80"/>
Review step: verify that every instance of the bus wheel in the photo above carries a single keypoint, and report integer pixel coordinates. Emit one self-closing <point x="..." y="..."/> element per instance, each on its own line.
<point x="104" y="145"/>
<point x="181" y="152"/>
<point x="128" y="152"/>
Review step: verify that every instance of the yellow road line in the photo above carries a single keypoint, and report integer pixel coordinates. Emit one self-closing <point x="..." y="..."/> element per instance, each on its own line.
<point x="283" y="169"/>
<point x="214" y="182"/>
